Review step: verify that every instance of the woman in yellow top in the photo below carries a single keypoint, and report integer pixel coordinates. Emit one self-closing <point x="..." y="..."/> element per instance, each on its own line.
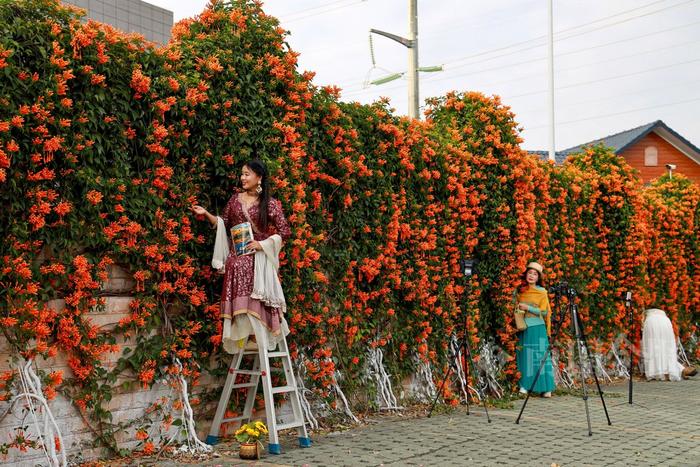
<point x="533" y="342"/>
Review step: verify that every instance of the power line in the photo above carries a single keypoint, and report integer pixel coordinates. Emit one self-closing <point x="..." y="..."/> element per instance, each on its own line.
<point x="619" y="41"/>
<point x="527" y="62"/>
<point x="539" y="38"/>
<point x="322" y="12"/>
<point x="318" y="7"/>
<point x="614" y="97"/>
<point x="625" y="75"/>
<point x="449" y="27"/>
<point x="614" y="114"/>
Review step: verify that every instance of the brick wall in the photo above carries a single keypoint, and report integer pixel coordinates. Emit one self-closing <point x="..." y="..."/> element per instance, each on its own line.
<point x="128" y="402"/>
<point x="667" y="154"/>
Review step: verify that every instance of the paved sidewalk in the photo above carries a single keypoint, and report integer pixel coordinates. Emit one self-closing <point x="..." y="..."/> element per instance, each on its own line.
<point x="661" y="427"/>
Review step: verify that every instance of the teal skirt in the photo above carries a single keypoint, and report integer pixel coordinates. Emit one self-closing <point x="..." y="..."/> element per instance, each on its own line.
<point x="532" y="347"/>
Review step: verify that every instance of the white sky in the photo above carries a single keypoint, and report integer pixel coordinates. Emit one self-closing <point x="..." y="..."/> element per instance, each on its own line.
<point x="618" y="63"/>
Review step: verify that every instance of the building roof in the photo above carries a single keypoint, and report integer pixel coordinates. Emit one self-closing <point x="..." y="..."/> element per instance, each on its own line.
<point x="559" y="156"/>
<point x="619" y="141"/>
<point x="623" y="140"/>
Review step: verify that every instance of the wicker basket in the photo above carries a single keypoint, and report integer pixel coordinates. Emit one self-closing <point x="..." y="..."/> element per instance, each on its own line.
<point x="249" y="451"/>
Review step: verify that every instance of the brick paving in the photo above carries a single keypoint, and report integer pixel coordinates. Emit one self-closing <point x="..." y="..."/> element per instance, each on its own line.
<point x="662" y="427"/>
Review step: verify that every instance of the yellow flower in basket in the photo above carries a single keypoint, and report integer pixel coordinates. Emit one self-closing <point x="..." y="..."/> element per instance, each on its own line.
<point x="260" y="426"/>
<point x="251" y="432"/>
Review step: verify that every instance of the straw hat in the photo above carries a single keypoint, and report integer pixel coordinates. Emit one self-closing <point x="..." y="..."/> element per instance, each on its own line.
<point x="536" y="266"/>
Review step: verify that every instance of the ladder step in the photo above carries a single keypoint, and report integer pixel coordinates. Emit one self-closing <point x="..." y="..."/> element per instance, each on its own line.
<point x="244" y="385"/>
<point x="246" y="372"/>
<point x="277" y="354"/>
<point x="234" y="419"/>
<point x="294" y="424"/>
<point x="283" y="389"/>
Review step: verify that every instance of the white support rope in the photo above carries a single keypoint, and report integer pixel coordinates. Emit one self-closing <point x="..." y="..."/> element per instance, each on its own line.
<point x="682" y="355"/>
<point x="620" y="368"/>
<point x="583" y="361"/>
<point x="490" y="367"/>
<point x="306" y="406"/>
<point x="601" y="367"/>
<point x="385" y="396"/>
<point x="193" y="444"/>
<point x="31" y="390"/>
<point x="346" y="406"/>
<point x="303" y="391"/>
<point x="456" y="353"/>
<point x="425" y="386"/>
<point x="567" y="379"/>
<point x="561" y="376"/>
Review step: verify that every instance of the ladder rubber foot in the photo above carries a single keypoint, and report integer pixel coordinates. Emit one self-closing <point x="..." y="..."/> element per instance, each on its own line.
<point x="212" y="440"/>
<point x="274" y="448"/>
<point x="304" y="442"/>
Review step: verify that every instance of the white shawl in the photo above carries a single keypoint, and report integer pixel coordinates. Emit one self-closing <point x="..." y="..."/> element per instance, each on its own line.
<point x="221" y="250"/>
<point x="266" y="283"/>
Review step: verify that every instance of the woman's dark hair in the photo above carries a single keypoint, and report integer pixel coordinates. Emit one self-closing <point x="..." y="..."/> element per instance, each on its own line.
<point x="260" y="170"/>
<point x="523" y="280"/>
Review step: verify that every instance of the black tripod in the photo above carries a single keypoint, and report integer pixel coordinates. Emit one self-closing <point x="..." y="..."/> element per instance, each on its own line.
<point x="463" y="350"/>
<point x="631" y="328"/>
<point x="581" y="346"/>
<point x="630" y="324"/>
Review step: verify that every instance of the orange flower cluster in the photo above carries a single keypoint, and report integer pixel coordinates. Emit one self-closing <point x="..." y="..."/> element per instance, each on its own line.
<point x="109" y="141"/>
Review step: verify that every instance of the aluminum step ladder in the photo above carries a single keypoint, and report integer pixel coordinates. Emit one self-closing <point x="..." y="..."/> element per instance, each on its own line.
<point x="261" y="368"/>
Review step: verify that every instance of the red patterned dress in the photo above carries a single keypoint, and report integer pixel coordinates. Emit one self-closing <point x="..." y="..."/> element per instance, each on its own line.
<point x="240" y="270"/>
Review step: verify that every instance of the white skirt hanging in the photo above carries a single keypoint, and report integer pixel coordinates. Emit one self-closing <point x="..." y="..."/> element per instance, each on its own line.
<point x="659" y="347"/>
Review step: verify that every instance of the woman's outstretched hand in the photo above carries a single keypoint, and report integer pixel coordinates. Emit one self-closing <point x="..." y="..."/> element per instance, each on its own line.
<point x="198" y="210"/>
<point x="202" y="214"/>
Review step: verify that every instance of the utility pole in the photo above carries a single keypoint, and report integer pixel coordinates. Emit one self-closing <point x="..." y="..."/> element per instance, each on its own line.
<point x="413" y="97"/>
<point x="411" y="43"/>
<point x="552" y="147"/>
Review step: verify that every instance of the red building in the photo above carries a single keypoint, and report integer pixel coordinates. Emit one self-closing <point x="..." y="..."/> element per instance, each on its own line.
<point x="651" y="149"/>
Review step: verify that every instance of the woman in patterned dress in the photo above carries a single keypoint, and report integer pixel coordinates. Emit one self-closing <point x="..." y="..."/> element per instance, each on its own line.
<point x="253" y="204"/>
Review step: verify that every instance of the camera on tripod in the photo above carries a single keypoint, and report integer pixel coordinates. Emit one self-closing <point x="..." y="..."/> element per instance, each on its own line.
<point x="627" y="297"/>
<point x="563" y="289"/>
<point x="467" y="266"/>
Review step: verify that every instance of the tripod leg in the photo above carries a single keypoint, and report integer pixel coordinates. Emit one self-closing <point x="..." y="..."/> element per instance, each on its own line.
<point x="629" y="390"/>
<point x="579" y="347"/>
<point x="631" y="347"/>
<point x="602" y="399"/>
<point x="460" y="357"/>
<point x="466" y="346"/>
<point x="439" y="391"/>
<point x="597" y="382"/>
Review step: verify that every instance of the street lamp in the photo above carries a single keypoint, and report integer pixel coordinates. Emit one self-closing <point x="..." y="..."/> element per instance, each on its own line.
<point x="411" y="43"/>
